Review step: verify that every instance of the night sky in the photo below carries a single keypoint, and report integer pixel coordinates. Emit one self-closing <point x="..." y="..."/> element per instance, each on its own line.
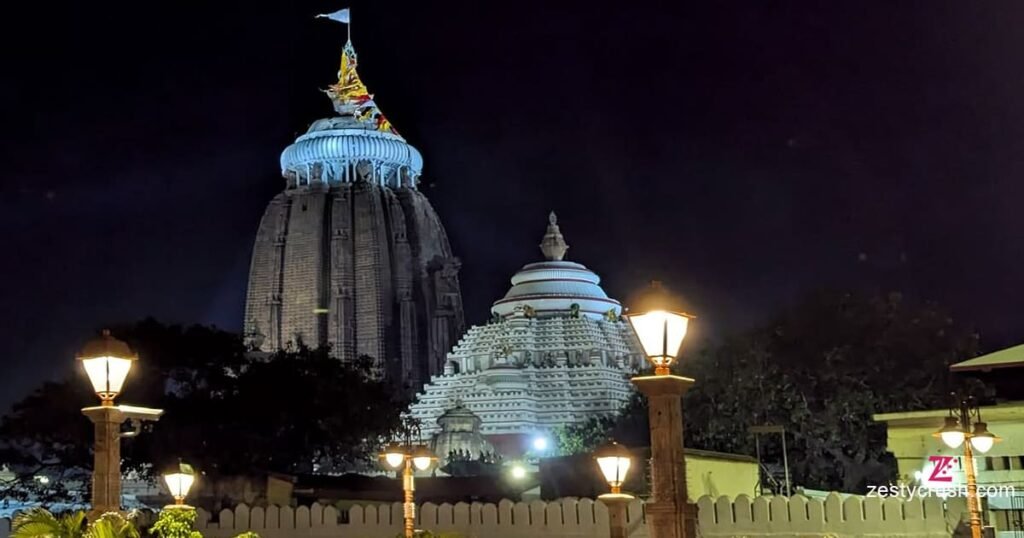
<point x="745" y="153"/>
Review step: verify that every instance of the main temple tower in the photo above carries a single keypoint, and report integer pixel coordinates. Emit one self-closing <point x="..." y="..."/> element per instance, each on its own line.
<point x="350" y="254"/>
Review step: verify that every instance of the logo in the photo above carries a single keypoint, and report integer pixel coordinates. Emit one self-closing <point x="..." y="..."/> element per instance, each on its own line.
<point x="942" y="472"/>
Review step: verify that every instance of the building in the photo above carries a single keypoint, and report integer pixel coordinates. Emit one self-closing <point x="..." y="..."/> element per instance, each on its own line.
<point x="351" y="255"/>
<point x="911" y="441"/>
<point x="459" y="445"/>
<point x="707" y="473"/>
<point x="556" y="352"/>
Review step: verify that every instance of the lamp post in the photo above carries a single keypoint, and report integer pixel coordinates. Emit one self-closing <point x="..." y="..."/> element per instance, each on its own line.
<point x="179" y="480"/>
<point x="660" y="324"/>
<point x="406" y="455"/>
<point x="614" y="461"/>
<point x="964" y="413"/>
<point x="107" y="362"/>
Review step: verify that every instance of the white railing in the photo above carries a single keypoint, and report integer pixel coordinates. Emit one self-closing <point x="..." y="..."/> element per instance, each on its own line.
<point x="570" y="518"/>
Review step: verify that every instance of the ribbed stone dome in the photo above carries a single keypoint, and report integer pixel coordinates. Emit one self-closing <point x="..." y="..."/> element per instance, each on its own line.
<point x="555" y="286"/>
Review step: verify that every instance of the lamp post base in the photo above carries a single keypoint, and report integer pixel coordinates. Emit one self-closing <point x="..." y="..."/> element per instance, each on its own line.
<point x="667" y="509"/>
<point x="617" y="504"/>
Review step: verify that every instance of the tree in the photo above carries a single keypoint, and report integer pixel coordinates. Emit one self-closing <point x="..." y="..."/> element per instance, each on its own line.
<point x="629" y="427"/>
<point x="820" y="369"/>
<point x="226" y="412"/>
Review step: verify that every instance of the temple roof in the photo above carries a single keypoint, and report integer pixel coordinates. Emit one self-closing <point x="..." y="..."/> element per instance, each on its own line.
<point x="556" y="287"/>
<point x="359" y="134"/>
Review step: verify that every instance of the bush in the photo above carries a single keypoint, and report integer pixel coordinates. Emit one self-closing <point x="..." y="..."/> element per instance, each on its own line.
<point x="176" y="523"/>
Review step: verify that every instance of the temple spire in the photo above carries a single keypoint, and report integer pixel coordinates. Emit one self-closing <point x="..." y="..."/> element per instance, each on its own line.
<point x="349" y="94"/>
<point x="553" y="244"/>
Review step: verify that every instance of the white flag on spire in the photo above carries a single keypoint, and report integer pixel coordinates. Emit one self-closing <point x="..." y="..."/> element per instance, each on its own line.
<point x="342" y="15"/>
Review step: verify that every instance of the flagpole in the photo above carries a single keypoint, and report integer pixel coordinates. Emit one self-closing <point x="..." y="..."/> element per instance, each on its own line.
<point x="348" y="27"/>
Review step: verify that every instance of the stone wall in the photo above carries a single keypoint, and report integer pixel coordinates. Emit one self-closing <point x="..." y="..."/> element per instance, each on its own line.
<point x="583" y="518"/>
<point x="833" y="516"/>
<point x="764" y="516"/>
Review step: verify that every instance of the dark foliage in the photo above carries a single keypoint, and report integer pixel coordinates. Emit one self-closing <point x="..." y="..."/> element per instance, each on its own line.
<point x="821" y="370"/>
<point x="226" y="412"/>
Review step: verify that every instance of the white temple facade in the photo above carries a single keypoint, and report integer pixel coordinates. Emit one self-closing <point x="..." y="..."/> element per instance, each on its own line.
<point x="555" y="352"/>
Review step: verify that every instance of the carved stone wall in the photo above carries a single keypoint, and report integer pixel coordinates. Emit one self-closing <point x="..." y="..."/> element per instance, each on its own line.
<point x="364" y="268"/>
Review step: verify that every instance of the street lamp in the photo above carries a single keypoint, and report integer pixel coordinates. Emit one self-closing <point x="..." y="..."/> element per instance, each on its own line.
<point x="957" y="429"/>
<point x="660" y="324"/>
<point x="107" y="361"/>
<point x="614" y="461"/>
<point x="179" y="480"/>
<point x="404" y="455"/>
<point x="422" y="458"/>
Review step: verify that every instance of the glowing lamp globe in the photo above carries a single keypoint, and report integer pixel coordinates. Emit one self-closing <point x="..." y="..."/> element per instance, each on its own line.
<point x="422" y="458"/>
<point x="982" y="439"/>
<point x="614" y="461"/>
<point x="179" y="481"/>
<point x="393" y="456"/>
<point x="107" y="361"/>
<point x="660" y="324"/>
<point x="951" y="433"/>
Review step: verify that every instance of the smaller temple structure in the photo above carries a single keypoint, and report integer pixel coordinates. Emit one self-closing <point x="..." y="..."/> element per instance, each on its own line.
<point x="460" y="446"/>
<point x="556" y="352"/>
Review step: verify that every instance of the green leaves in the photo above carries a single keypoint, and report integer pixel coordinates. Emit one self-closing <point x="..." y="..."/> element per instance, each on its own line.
<point x="176" y="523"/>
<point x="40" y="523"/>
<point x="112" y="525"/>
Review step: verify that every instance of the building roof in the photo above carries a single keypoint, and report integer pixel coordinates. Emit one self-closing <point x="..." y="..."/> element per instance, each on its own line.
<point x="1005" y="411"/>
<point x="1011" y="357"/>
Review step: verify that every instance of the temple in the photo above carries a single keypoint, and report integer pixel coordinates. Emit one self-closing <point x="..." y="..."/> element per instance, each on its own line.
<point x="555" y="352"/>
<point x="351" y="255"/>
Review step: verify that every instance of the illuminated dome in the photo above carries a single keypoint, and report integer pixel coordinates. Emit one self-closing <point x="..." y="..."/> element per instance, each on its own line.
<point x="357" y="143"/>
<point x="556" y="287"/>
